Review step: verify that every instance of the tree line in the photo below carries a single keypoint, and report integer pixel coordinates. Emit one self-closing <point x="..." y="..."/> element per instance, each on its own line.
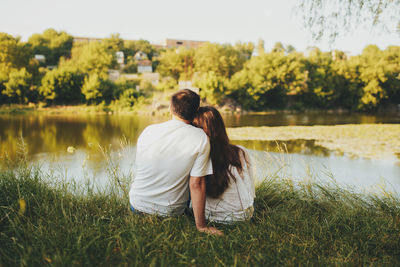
<point x="243" y="73"/>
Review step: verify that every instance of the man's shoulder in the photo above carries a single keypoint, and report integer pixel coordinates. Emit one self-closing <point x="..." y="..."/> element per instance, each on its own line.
<point x="197" y="130"/>
<point x="197" y="133"/>
<point x="177" y="127"/>
<point x="156" y="126"/>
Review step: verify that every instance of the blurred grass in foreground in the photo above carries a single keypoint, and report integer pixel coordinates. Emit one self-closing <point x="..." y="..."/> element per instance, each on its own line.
<point x="44" y="222"/>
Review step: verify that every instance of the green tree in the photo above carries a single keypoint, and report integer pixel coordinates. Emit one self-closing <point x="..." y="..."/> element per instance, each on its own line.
<point x="265" y="80"/>
<point x="391" y="85"/>
<point x="278" y="47"/>
<point x="213" y="88"/>
<point x="52" y="44"/>
<point x="347" y="82"/>
<point x="177" y="63"/>
<point x="93" y="57"/>
<point x="131" y="66"/>
<point x="18" y="85"/>
<point x="167" y="84"/>
<point x="16" y="68"/>
<point x="260" y="47"/>
<point x="114" y="43"/>
<point x="373" y="76"/>
<point x="223" y="60"/>
<point x="246" y="49"/>
<point x="62" y="85"/>
<point x="320" y="80"/>
<point x="13" y="53"/>
<point x="131" y="47"/>
<point x="290" y="48"/>
<point x="95" y="89"/>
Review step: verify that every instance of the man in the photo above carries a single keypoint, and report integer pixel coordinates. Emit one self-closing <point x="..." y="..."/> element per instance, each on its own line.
<point x="167" y="155"/>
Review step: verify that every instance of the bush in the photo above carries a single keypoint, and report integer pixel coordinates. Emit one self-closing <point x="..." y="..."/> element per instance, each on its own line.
<point x="95" y="89"/>
<point x="167" y="85"/>
<point x="62" y="85"/>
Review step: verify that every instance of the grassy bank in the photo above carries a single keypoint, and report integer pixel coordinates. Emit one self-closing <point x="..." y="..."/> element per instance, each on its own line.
<point x="375" y="141"/>
<point x="157" y="104"/>
<point x="302" y="225"/>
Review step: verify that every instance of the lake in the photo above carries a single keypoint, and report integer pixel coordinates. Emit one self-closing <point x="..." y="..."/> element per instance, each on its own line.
<point x="84" y="147"/>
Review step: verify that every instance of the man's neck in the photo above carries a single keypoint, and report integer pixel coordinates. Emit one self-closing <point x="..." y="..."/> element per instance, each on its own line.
<point x="174" y="117"/>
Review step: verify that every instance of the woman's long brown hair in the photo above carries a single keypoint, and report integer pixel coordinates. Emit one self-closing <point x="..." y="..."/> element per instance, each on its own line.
<point x="224" y="156"/>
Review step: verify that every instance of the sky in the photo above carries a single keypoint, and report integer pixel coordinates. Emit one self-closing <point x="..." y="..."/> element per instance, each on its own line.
<point x="222" y="21"/>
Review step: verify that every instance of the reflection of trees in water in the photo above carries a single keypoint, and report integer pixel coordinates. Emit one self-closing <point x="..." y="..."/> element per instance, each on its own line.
<point x="311" y="118"/>
<point x="54" y="133"/>
<point x="299" y="146"/>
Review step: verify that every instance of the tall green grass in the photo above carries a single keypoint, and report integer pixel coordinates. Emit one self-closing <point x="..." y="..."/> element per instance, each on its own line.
<point x="44" y="222"/>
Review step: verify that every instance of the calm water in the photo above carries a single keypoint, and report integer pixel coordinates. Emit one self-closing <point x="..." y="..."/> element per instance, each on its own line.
<point x="47" y="138"/>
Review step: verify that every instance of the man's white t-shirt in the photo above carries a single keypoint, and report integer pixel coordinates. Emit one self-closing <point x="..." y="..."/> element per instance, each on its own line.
<point x="167" y="154"/>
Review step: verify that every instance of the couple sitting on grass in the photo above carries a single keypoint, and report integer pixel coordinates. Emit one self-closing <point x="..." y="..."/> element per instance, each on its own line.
<point x="189" y="158"/>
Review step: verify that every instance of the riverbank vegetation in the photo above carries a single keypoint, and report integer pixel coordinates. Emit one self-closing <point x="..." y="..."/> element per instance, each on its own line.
<point x="374" y="141"/>
<point x="51" y="69"/>
<point x="43" y="220"/>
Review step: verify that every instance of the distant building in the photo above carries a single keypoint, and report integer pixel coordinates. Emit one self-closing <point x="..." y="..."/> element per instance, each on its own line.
<point x="158" y="46"/>
<point x="145" y="66"/>
<point x="168" y="43"/>
<point x="120" y="57"/>
<point x="140" y="56"/>
<point x="113" y="75"/>
<point x="175" y="43"/>
<point x="40" y="58"/>
<point x="86" y="39"/>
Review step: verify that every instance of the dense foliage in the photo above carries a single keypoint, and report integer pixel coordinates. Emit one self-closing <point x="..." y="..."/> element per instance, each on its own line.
<point x="79" y="72"/>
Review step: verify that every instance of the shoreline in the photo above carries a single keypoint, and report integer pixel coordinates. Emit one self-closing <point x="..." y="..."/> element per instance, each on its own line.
<point x="19" y="109"/>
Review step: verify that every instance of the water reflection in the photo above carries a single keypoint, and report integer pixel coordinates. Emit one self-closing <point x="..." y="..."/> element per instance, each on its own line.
<point x="47" y="138"/>
<point x="361" y="175"/>
<point x="52" y="134"/>
<point x="299" y="146"/>
<point x="280" y="119"/>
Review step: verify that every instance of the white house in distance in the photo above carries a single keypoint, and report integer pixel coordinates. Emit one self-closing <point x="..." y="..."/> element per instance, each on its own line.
<point x="145" y="66"/>
<point x="40" y="58"/>
<point x="120" y="57"/>
<point x="140" y="56"/>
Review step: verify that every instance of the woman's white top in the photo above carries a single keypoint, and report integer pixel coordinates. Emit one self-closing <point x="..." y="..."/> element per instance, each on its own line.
<point x="236" y="203"/>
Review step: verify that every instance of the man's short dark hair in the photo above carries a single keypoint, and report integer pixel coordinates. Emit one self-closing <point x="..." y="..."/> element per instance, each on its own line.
<point x="185" y="104"/>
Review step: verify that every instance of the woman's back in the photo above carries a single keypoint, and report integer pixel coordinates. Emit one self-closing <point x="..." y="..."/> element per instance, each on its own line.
<point x="236" y="202"/>
<point x="230" y="190"/>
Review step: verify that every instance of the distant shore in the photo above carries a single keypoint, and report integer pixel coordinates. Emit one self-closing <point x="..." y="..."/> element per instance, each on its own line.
<point x="151" y="109"/>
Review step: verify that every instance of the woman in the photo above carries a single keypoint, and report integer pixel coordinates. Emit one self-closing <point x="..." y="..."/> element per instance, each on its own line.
<point x="230" y="190"/>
